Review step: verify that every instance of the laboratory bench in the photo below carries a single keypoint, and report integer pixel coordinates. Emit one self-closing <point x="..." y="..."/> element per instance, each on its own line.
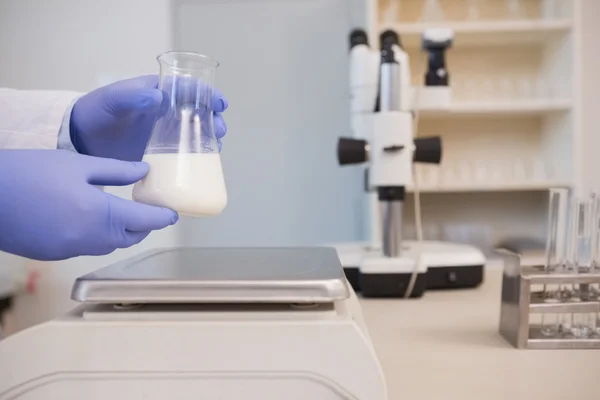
<point x="446" y="345"/>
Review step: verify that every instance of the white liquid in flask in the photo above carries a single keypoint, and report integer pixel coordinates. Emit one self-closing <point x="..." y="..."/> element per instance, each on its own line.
<point x="188" y="183"/>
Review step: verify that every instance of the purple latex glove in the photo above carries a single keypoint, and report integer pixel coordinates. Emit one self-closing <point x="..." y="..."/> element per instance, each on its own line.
<point x="115" y="121"/>
<point x="50" y="210"/>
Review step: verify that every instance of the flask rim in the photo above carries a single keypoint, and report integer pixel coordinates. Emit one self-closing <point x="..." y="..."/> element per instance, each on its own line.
<point x="206" y="62"/>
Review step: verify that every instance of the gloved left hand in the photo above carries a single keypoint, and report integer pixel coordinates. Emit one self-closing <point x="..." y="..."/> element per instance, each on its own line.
<point x="115" y="121"/>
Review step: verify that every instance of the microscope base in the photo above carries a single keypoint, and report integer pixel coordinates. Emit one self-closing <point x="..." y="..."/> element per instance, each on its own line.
<point x="449" y="265"/>
<point x="390" y="277"/>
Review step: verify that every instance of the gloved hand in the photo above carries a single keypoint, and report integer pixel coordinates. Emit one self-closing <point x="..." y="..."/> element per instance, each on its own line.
<point x="115" y="121"/>
<point x="50" y="210"/>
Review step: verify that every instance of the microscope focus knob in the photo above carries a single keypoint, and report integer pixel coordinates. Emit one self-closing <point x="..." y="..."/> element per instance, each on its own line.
<point x="428" y="150"/>
<point x="352" y="151"/>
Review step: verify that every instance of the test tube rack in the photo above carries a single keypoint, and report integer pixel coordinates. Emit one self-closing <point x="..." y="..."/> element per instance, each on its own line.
<point x="521" y="300"/>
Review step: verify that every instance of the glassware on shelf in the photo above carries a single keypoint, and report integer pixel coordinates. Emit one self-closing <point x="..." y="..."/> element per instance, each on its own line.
<point x="432" y="11"/>
<point x="465" y="89"/>
<point x="535" y="89"/>
<point x="526" y="89"/>
<point x="465" y="171"/>
<point x="542" y="89"/>
<point x="472" y="90"/>
<point x="519" y="170"/>
<point x="449" y="174"/>
<point x="418" y="174"/>
<point x="504" y="88"/>
<point x="507" y="89"/>
<point x="432" y="232"/>
<point x="472" y="10"/>
<point x="498" y="171"/>
<point x="427" y="175"/>
<point x="488" y="90"/>
<point x="481" y="171"/>
<point x="539" y="170"/>
<point x="434" y="174"/>
<point x="392" y="12"/>
<point x="553" y="9"/>
<point x="515" y="9"/>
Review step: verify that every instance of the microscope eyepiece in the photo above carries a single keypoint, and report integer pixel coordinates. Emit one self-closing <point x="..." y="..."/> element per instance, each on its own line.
<point x="358" y="37"/>
<point x="352" y="151"/>
<point x="389" y="38"/>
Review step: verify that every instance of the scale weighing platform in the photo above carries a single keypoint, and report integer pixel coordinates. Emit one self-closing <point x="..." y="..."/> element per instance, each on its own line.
<point x="189" y="323"/>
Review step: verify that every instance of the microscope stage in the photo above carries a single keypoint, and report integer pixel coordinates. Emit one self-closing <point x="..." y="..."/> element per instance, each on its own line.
<point x="218" y="275"/>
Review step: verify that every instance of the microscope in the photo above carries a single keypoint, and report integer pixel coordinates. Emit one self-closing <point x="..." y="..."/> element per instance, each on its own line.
<point x="387" y="266"/>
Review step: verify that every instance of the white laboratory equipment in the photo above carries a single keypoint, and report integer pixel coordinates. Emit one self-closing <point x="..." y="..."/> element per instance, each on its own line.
<point x="7" y="292"/>
<point x="385" y="265"/>
<point x="189" y="323"/>
<point x="13" y="280"/>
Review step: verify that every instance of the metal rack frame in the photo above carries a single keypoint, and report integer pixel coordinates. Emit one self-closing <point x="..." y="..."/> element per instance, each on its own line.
<point x="520" y="301"/>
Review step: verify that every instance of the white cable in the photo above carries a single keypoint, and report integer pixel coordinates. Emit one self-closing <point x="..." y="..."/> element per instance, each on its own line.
<point x="417" y="195"/>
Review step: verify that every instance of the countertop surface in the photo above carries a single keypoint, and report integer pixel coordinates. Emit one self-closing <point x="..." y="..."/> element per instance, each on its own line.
<point x="446" y="346"/>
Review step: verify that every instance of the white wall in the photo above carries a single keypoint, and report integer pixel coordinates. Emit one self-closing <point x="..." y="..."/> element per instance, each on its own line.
<point x="284" y="70"/>
<point x="78" y="45"/>
<point x="71" y="44"/>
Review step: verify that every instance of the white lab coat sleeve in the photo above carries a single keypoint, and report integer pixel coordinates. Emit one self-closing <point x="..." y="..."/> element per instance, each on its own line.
<point x="33" y="119"/>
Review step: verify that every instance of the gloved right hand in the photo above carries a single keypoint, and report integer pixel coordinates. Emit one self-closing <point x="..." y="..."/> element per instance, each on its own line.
<point x="115" y="121"/>
<point x="50" y="210"/>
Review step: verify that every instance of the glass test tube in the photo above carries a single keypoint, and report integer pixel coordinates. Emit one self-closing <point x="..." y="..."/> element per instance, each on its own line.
<point x="579" y="241"/>
<point x="582" y="323"/>
<point x="557" y="228"/>
<point x="595" y="226"/>
<point x="555" y="248"/>
<point x="595" y="267"/>
<point x="583" y="234"/>
<point x="571" y="237"/>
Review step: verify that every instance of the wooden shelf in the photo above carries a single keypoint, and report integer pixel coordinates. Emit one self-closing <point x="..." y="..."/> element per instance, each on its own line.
<point x="498" y="108"/>
<point x="492" y="187"/>
<point x="516" y="81"/>
<point x="485" y="33"/>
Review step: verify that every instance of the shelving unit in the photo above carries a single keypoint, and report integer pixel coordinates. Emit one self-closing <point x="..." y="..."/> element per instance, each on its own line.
<point x="532" y="107"/>
<point x="508" y="133"/>
<point x="489" y="33"/>
<point x="490" y="187"/>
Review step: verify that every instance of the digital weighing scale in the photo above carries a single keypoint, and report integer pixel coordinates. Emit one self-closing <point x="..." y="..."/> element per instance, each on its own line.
<point x="189" y="323"/>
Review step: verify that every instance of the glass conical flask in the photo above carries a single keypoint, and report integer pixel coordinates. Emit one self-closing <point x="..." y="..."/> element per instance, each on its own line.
<point x="183" y="154"/>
